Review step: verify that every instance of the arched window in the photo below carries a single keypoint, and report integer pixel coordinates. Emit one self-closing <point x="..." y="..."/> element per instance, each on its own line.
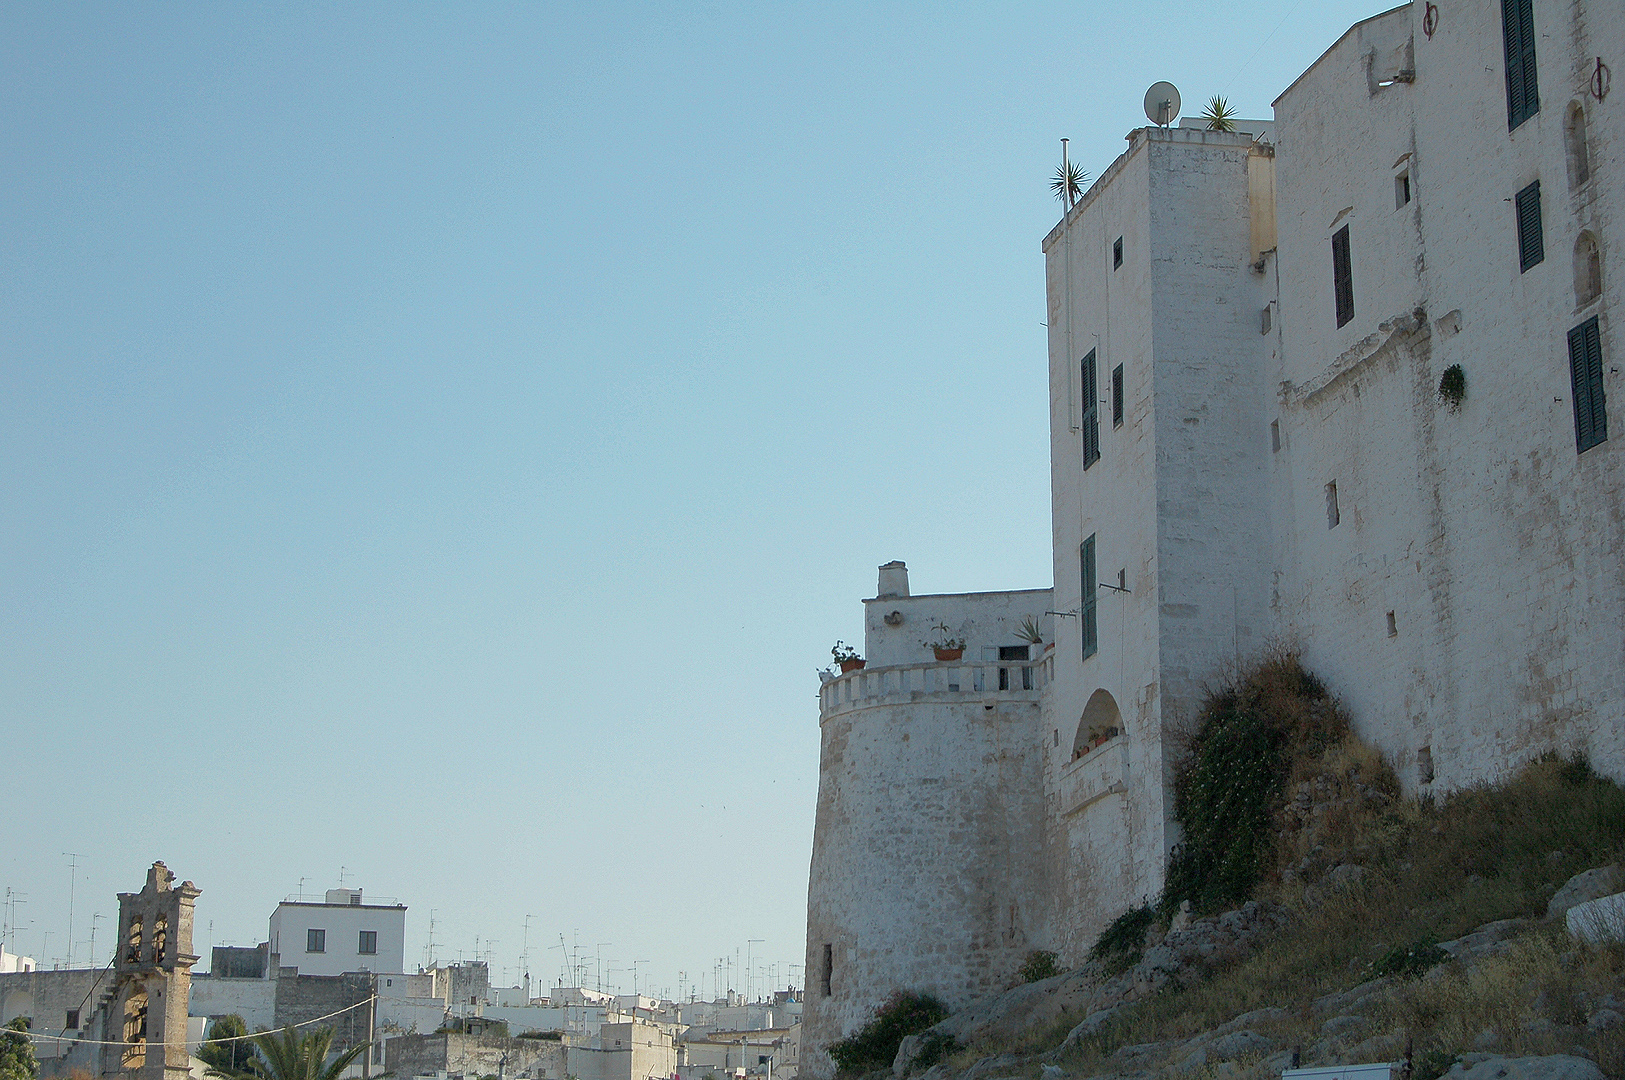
<point x="1574" y="139"/>
<point x="1101" y="721"/>
<point x="132" y="952"/>
<point x="1587" y="269"/>
<point x="160" y="938"/>
<point x="135" y="1029"/>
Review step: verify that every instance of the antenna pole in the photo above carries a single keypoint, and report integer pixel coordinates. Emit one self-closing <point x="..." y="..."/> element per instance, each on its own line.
<point x="1066" y="176"/>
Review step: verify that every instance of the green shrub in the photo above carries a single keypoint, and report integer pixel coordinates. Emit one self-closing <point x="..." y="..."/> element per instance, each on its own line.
<point x="1227" y="792"/>
<point x="1122" y="944"/>
<point x="1410" y="961"/>
<point x="1039" y="965"/>
<point x="874" y="1046"/>
<point x="934" y="1048"/>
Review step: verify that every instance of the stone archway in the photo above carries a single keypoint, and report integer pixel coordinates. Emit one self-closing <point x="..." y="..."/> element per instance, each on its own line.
<point x="1100" y="717"/>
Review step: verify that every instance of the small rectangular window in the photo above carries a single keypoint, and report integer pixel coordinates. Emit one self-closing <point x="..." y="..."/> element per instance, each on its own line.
<point x="1265" y="320"/>
<point x="369" y="943"/>
<point x="1402" y="189"/>
<point x="72" y="1023"/>
<point x="315" y="940"/>
<point x="1342" y="276"/>
<point x="1393" y="626"/>
<point x="1117" y="396"/>
<point x="1531" y="244"/>
<point x="1585" y="374"/>
<point x="1518" y="36"/>
<point x="1086" y="617"/>
<point x="1117" y="253"/>
<point x="1332" y="515"/>
<point x="1275" y="436"/>
<point x="829" y="966"/>
<point x="1091" y="411"/>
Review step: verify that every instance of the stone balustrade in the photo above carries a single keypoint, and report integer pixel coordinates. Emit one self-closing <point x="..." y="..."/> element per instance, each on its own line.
<point x="950" y="681"/>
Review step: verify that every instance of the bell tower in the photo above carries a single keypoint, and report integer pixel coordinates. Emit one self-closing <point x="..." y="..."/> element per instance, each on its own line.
<point x="152" y="980"/>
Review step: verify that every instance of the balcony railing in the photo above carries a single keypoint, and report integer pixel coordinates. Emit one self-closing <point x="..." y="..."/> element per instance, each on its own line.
<point x="951" y="680"/>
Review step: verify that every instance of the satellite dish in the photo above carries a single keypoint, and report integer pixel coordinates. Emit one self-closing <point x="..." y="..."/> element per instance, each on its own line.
<point x="1162" y="103"/>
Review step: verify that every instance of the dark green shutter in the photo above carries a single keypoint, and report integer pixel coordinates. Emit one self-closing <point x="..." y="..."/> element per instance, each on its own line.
<point x="1585" y="376"/>
<point x="1531" y="243"/>
<point x="1117" y="395"/>
<point x="1091" y="412"/>
<point x="1518" y="35"/>
<point x="1086" y="617"/>
<point x="1342" y="276"/>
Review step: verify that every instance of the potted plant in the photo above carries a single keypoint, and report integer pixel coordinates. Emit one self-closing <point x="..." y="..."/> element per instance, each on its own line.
<point x="847" y="657"/>
<point x="946" y="647"/>
<point x="1028" y="631"/>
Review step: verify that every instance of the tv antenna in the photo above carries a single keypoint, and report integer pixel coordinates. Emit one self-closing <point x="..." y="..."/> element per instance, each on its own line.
<point x="1162" y="103"/>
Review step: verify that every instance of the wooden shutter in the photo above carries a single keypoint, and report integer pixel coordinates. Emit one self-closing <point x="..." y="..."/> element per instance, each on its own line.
<point x="1531" y="244"/>
<point x="1117" y="395"/>
<point x="1086" y="616"/>
<point x="1342" y="276"/>
<point x="1585" y="375"/>
<point x="1518" y="35"/>
<point x="1091" y="412"/>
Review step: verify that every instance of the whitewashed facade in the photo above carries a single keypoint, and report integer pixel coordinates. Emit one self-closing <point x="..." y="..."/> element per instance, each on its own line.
<point x="1249" y="446"/>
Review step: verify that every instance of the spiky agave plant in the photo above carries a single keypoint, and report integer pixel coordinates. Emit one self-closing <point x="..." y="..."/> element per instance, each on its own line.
<point x="1219" y="115"/>
<point x="1068" y="182"/>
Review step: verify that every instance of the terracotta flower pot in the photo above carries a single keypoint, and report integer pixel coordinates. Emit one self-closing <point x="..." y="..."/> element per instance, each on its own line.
<point x="949" y="654"/>
<point x="852" y="665"/>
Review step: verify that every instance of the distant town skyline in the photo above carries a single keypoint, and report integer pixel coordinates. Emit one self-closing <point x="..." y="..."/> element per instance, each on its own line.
<point x="443" y="444"/>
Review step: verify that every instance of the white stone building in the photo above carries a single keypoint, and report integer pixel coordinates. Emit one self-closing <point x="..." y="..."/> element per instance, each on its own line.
<point x="339" y="935"/>
<point x="1256" y="339"/>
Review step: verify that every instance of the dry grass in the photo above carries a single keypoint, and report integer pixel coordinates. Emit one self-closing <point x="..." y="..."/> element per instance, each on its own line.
<point x="1433" y="872"/>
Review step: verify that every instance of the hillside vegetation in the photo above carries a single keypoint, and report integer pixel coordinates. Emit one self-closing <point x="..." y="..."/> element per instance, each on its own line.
<point x="1384" y="926"/>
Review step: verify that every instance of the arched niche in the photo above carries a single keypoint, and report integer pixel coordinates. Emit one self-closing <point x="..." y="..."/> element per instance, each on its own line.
<point x="1100" y="718"/>
<point x="1574" y="142"/>
<point x="1587" y="269"/>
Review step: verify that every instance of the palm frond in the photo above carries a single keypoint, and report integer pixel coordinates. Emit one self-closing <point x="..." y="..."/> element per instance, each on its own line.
<point x="1219" y="115"/>
<point x="1068" y="182"/>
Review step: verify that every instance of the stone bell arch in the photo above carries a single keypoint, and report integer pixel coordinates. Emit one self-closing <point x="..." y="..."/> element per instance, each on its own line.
<point x="146" y="1006"/>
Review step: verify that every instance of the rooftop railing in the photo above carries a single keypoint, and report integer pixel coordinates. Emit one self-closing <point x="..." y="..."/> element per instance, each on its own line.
<point x="949" y="680"/>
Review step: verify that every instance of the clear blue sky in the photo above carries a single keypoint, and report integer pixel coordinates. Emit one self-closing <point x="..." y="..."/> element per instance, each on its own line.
<point x="443" y="441"/>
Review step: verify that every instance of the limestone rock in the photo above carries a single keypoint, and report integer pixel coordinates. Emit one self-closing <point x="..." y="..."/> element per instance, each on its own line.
<point x="1586" y="885"/>
<point x="1550" y="1067"/>
<point x="1605" y="1019"/>
<point x="1491" y="939"/>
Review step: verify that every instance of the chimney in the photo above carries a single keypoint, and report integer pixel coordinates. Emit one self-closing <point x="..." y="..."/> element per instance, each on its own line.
<point x="893" y="580"/>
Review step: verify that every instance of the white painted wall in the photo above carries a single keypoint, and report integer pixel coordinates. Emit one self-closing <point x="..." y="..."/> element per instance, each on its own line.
<point x="343" y="923"/>
<point x="252" y="999"/>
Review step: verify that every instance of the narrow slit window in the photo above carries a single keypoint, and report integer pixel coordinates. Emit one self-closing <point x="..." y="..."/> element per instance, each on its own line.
<point x="1531" y="242"/>
<point x="1342" y="276"/>
<point x="1402" y="189"/>
<point x="1275" y="436"/>
<point x="1265" y="320"/>
<point x="829" y="966"/>
<point x="1585" y="373"/>
<point x="1086" y="617"/>
<point x="1117" y="396"/>
<point x="1393" y="627"/>
<point x="1117" y="253"/>
<point x="1332" y="514"/>
<point x="1091" y="411"/>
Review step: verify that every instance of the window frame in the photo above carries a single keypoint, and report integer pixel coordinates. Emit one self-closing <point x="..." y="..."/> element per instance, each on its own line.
<point x="1531" y="230"/>
<point x="1586" y="386"/>
<point x="1342" y="277"/>
<point x="1089" y="587"/>
<point x="362" y="943"/>
<point x="1518" y="39"/>
<point x="1089" y="422"/>
<point x="315" y="940"/>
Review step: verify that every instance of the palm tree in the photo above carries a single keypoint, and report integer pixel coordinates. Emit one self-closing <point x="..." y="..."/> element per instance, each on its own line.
<point x="287" y="1055"/>
<point x="1068" y="183"/>
<point x="1219" y="115"/>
